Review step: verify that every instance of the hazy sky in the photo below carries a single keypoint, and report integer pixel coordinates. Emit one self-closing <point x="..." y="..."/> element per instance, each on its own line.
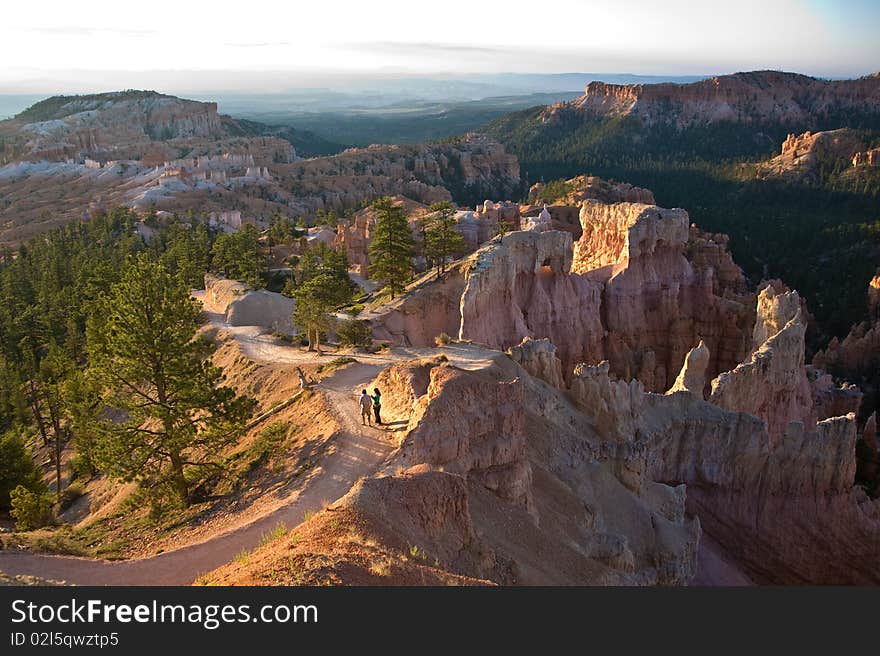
<point x="104" y="44"/>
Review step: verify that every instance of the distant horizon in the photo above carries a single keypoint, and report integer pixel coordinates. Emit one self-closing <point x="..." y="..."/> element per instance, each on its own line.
<point x="62" y="47"/>
<point x="336" y="81"/>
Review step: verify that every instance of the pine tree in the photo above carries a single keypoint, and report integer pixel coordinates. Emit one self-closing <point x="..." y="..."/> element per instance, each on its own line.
<point x="323" y="286"/>
<point x="442" y="240"/>
<point x="166" y="414"/>
<point x="239" y="255"/>
<point x="392" y="246"/>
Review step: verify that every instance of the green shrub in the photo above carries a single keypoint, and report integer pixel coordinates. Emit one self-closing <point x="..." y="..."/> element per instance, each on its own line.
<point x="73" y="492"/>
<point x="355" y="333"/>
<point x="335" y="363"/>
<point x="30" y="509"/>
<point x="355" y="309"/>
<point x="442" y="339"/>
<point x="81" y="467"/>
<point x="17" y="468"/>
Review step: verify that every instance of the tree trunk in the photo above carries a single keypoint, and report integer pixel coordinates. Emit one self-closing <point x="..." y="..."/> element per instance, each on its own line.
<point x="59" y="444"/>
<point x="178" y="478"/>
<point x="38" y="415"/>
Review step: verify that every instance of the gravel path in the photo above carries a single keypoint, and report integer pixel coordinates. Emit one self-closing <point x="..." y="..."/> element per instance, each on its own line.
<point x="359" y="451"/>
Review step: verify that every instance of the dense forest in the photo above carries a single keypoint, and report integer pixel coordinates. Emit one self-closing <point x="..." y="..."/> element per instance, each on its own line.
<point x="822" y="239"/>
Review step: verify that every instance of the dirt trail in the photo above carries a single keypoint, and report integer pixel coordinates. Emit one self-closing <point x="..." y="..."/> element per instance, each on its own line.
<point x="358" y="452"/>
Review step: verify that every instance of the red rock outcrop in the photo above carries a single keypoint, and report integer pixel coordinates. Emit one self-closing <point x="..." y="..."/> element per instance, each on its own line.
<point x="551" y="500"/>
<point x="481" y="440"/>
<point x="742" y="97"/>
<point x="656" y="304"/>
<point x="856" y="356"/>
<point x="786" y="509"/>
<point x="627" y="292"/>
<point x="521" y="287"/>
<point x="802" y="154"/>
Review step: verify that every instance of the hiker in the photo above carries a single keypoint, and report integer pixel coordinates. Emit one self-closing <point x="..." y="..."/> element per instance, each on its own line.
<point x="365" y="402"/>
<point x="377" y="404"/>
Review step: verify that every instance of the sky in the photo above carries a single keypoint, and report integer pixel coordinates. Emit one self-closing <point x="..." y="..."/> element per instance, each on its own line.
<point x="59" y="45"/>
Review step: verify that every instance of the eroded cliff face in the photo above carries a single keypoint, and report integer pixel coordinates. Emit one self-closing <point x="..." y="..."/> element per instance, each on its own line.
<point x="640" y="288"/>
<point x="473" y="166"/>
<point x="754" y="97"/>
<point x="802" y="154"/>
<point x="772" y="383"/>
<point x="522" y="286"/>
<point x="786" y="509"/>
<point x="114" y="124"/>
<point x="656" y="304"/>
<point x="552" y="500"/>
<point x="855" y="356"/>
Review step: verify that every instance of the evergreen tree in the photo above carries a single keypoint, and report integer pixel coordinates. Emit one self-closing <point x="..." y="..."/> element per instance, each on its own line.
<point x="166" y="414"/>
<point x="55" y="367"/>
<point x="392" y="247"/>
<point x="16" y="467"/>
<point x="442" y="240"/>
<point x="240" y="256"/>
<point x="323" y="285"/>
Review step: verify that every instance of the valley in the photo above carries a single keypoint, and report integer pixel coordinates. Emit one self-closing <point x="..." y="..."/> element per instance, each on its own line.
<point x="625" y="339"/>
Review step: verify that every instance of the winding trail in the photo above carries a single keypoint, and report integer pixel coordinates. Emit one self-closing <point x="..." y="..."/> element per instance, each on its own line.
<point x="358" y="452"/>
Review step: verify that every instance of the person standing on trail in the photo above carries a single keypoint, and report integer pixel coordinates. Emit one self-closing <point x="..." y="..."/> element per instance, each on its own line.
<point x="365" y="403"/>
<point x="377" y="404"/>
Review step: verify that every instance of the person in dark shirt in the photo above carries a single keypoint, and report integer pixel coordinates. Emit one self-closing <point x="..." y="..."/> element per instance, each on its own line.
<point x="377" y="404"/>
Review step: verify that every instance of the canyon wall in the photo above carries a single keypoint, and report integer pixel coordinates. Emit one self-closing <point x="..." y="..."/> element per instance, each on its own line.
<point x="753" y="97"/>
<point x="640" y="288"/>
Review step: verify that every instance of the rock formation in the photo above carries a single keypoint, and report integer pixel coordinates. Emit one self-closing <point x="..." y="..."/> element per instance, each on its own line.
<point x="626" y="292"/>
<point x="692" y="377"/>
<point x="243" y="307"/>
<point x="754" y="97"/>
<point x="522" y="287"/>
<point x="145" y="150"/>
<point x="772" y="384"/>
<point x="530" y="495"/>
<point x="867" y="158"/>
<point x="656" y="303"/>
<point x="540" y="223"/>
<point x="802" y="154"/>
<point x="538" y="357"/>
<point x="786" y="508"/>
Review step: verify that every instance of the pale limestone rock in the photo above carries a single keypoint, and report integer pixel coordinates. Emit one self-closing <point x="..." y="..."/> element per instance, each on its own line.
<point x="521" y="287"/>
<point x="772" y="384"/>
<point x="538" y="357"/>
<point x="692" y="377"/>
<point x="243" y="307"/>
<point x="614" y="405"/>
<point x="775" y="309"/>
